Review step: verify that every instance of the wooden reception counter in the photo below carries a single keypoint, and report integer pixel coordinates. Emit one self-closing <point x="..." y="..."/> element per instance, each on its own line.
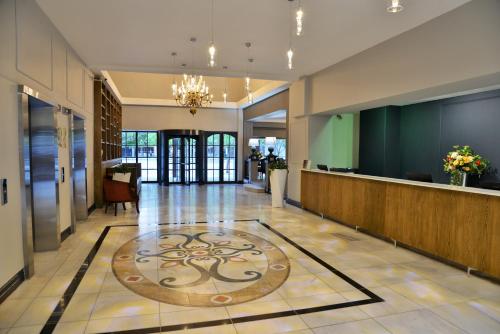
<point x="456" y="224"/>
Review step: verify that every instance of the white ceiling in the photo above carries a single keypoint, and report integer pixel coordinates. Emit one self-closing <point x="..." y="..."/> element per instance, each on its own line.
<point x="139" y="35"/>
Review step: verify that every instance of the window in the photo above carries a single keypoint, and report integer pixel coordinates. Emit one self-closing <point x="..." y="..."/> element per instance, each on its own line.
<point x="142" y="147"/>
<point x="279" y="148"/>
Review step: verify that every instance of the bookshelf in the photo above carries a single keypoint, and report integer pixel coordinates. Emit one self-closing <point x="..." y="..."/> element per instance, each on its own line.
<point x="107" y="133"/>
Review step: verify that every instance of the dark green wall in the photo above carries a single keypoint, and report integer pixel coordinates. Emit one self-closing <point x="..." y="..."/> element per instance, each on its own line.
<point x="379" y="148"/>
<point x="420" y="137"/>
<point x="415" y="138"/>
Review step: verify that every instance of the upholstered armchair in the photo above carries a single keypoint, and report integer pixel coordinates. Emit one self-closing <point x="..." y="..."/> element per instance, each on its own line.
<point x="119" y="192"/>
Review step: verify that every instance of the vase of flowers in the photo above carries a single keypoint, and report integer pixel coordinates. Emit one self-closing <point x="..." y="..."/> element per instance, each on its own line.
<point x="462" y="161"/>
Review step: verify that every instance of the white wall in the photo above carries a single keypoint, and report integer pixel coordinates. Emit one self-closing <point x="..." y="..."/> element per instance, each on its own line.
<point x="298" y="137"/>
<point x="11" y="249"/>
<point x="64" y="162"/>
<point x="35" y="54"/>
<point x="457" y="51"/>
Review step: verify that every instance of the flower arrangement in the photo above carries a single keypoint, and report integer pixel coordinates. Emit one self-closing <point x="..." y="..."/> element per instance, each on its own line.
<point x="255" y="155"/>
<point x="462" y="160"/>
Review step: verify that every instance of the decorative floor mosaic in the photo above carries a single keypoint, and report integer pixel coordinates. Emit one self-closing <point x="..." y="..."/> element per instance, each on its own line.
<point x="179" y="265"/>
<point x="225" y="267"/>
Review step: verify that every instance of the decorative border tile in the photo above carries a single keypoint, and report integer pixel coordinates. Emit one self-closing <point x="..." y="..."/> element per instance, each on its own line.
<point x="56" y="315"/>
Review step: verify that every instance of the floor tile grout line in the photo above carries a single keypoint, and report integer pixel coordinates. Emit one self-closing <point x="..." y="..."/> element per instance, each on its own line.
<point x="58" y="311"/>
<point x="325" y="264"/>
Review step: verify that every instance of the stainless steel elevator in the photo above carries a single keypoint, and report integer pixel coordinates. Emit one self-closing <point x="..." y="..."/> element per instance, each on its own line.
<point x="79" y="165"/>
<point x="39" y="174"/>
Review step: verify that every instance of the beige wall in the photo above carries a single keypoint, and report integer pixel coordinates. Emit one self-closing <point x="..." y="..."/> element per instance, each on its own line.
<point x="298" y="137"/>
<point x="276" y="102"/>
<point x="32" y="53"/>
<point x="457" y="51"/>
<point x="163" y="118"/>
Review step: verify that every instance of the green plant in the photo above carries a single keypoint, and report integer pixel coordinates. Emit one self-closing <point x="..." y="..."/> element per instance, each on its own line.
<point x="278" y="164"/>
<point x="122" y="169"/>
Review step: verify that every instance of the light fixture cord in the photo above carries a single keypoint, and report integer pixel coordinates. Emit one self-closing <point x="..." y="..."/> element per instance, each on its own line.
<point x="212" y="22"/>
<point x="290" y="26"/>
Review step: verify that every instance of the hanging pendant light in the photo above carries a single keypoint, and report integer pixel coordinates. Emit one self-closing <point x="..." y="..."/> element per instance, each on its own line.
<point x="299" y="16"/>
<point x="174" y="80"/>
<point x="211" y="48"/>
<point x="290" y="58"/>
<point x="224" y="95"/>
<point x="395" y="6"/>
<point x="289" y="53"/>
<point x="247" y="78"/>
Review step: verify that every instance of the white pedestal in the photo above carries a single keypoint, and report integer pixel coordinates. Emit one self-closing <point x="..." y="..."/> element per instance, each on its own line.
<point x="278" y="182"/>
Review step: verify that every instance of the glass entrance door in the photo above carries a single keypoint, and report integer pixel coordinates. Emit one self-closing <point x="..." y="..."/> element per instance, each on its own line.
<point x="182" y="168"/>
<point x="221" y="158"/>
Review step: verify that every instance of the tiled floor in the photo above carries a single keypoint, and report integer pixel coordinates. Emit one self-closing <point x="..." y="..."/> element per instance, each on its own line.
<point x="419" y="295"/>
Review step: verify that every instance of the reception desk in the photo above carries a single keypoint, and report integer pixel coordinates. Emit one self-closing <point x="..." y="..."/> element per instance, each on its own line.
<point x="456" y="224"/>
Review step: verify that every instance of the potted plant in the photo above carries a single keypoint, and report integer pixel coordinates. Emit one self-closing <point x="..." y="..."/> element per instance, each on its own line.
<point x="462" y="161"/>
<point x="122" y="173"/>
<point x="278" y="170"/>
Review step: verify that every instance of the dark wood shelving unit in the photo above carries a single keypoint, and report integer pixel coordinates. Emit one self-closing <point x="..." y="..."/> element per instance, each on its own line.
<point x="107" y="134"/>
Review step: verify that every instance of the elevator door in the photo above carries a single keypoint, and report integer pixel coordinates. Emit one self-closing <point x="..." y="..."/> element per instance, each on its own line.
<point x="44" y="175"/>
<point x="182" y="167"/>
<point x="79" y="163"/>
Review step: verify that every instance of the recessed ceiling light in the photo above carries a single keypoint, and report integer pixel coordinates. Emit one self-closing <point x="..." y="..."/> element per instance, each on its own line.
<point x="395" y="6"/>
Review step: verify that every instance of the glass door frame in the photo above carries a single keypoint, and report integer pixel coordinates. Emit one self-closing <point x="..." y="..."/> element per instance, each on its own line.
<point x="207" y="134"/>
<point x="184" y="140"/>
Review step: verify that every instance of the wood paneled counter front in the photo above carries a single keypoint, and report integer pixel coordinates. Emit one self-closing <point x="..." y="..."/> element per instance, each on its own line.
<point x="457" y="224"/>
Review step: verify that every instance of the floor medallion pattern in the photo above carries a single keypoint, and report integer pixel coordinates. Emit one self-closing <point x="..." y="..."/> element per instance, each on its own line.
<point x="201" y="266"/>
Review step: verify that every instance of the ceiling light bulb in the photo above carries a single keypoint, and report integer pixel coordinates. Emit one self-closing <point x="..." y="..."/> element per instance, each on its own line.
<point x="247" y="83"/>
<point x="290" y="58"/>
<point x="299" y="16"/>
<point x="211" y="52"/>
<point x="225" y="97"/>
<point x="395" y="6"/>
<point x="250" y="97"/>
<point x="174" y="88"/>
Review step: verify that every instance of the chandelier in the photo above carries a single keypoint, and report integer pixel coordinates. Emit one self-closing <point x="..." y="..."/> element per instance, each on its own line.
<point x="192" y="93"/>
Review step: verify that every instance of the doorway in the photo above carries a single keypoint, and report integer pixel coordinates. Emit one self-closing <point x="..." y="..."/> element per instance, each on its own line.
<point x="195" y="156"/>
<point x="221" y="161"/>
<point x="79" y="166"/>
<point x="182" y="159"/>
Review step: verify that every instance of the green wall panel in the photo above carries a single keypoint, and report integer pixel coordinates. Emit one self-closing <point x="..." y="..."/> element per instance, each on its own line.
<point x="332" y="140"/>
<point x="343" y="141"/>
<point x="420" y="139"/>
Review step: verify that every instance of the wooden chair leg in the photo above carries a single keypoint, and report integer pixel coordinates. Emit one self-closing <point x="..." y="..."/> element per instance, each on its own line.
<point x="116" y="205"/>
<point x="137" y="206"/>
<point x="106" y="208"/>
<point x="123" y="204"/>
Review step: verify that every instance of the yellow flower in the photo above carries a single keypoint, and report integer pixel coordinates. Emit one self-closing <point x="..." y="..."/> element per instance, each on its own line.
<point x="466" y="169"/>
<point x="455" y="163"/>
